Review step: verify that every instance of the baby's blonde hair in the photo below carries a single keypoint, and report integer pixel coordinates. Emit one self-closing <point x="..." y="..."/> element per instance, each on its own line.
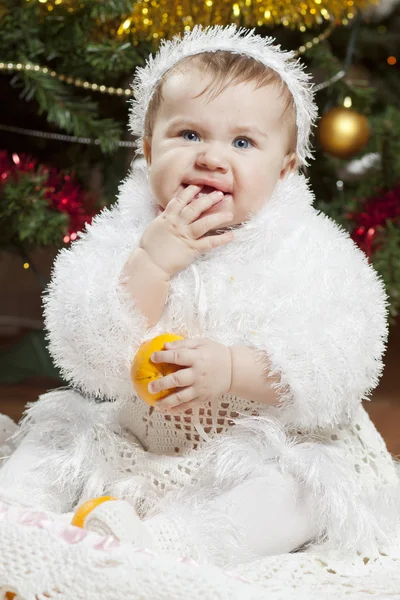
<point x="227" y="68"/>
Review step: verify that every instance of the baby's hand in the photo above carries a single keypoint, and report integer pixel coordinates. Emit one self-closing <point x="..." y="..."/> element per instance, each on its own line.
<point x="208" y="376"/>
<point x="177" y="235"/>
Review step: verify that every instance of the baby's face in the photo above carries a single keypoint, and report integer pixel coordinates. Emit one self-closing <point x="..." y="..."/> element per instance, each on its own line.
<point x="237" y="142"/>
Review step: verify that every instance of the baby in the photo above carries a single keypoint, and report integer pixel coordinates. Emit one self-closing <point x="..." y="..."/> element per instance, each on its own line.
<point x="264" y="447"/>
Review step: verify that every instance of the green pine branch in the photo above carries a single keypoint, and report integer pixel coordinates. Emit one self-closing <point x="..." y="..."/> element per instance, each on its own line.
<point x="108" y="10"/>
<point x="112" y="58"/>
<point x="71" y="113"/>
<point x="66" y="42"/>
<point x="21" y="32"/>
<point x="371" y="42"/>
<point x="386" y="140"/>
<point x="27" y="219"/>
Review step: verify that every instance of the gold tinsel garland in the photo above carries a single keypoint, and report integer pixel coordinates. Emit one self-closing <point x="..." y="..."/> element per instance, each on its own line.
<point x="157" y="19"/>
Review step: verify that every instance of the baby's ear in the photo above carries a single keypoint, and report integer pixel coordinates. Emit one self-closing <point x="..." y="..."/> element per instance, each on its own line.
<point x="290" y="164"/>
<point x="147" y="150"/>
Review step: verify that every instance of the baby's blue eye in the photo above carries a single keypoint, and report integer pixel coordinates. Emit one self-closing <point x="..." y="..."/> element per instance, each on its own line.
<point x="190" y="136"/>
<point x="243" y="143"/>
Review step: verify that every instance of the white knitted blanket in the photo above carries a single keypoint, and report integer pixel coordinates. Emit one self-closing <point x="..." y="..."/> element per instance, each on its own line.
<point x="43" y="556"/>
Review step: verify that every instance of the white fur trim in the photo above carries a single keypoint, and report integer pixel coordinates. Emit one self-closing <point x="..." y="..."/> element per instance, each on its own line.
<point x="61" y="458"/>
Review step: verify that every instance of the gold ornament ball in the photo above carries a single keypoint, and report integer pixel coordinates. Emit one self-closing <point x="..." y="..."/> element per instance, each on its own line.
<point x="343" y="132"/>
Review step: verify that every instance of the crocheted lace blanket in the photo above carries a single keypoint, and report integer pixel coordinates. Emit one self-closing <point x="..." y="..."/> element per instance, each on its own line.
<point x="43" y="556"/>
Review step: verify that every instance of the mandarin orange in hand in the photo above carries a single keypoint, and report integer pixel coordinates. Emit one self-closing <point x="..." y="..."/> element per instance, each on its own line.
<point x="84" y="509"/>
<point x="143" y="370"/>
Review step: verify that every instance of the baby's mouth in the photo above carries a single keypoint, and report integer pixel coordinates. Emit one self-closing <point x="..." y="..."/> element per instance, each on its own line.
<point x="206" y="189"/>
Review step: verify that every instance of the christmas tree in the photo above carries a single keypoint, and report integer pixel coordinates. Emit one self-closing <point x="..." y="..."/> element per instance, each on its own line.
<point x="66" y="69"/>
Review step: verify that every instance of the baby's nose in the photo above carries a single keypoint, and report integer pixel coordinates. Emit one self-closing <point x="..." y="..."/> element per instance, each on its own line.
<point x="212" y="159"/>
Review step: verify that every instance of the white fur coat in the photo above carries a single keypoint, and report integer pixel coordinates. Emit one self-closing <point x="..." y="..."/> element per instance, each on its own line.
<point x="292" y="285"/>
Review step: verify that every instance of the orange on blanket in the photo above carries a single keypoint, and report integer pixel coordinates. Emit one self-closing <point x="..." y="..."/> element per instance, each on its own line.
<point x="84" y="509"/>
<point x="143" y="370"/>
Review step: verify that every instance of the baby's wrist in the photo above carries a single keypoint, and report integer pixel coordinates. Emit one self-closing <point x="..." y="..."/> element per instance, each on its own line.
<point x="152" y="264"/>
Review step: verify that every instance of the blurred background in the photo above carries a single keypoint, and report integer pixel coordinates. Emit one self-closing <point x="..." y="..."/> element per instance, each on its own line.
<point x="65" y="72"/>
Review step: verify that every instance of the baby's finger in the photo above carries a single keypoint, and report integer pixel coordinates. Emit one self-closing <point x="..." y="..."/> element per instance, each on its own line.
<point x="176" y="204"/>
<point x="192" y="211"/>
<point x="174" y="400"/>
<point x="214" y="241"/>
<point x="181" y="378"/>
<point x="186" y="343"/>
<point x="182" y="357"/>
<point x="202" y="226"/>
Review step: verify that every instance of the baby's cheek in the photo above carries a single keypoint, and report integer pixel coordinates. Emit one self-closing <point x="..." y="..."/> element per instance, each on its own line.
<point x="158" y="190"/>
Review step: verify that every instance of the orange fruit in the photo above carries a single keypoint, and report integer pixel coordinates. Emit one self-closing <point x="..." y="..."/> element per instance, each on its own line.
<point x="84" y="509"/>
<point x="143" y="370"/>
